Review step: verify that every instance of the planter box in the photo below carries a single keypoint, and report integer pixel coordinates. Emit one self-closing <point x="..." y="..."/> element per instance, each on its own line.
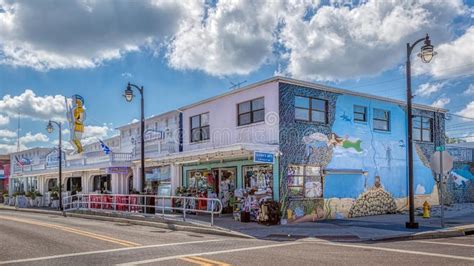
<point x="21" y="202"/>
<point x="6" y="200"/>
<point x="54" y="203"/>
<point x="39" y="202"/>
<point x="12" y="201"/>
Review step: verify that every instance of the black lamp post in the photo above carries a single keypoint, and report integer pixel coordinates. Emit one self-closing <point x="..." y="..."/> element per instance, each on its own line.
<point x="426" y="55"/>
<point x="128" y="94"/>
<point x="50" y="129"/>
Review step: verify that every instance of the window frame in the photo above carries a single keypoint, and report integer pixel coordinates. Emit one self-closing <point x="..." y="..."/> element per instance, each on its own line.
<point x="252" y="112"/>
<point x="200" y="128"/>
<point x="421" y="129"/>
<point x="310" y="109"/>
<point x="305" y="176"/>
<point x="356" y="112"/>
<point x="387" y="121"/>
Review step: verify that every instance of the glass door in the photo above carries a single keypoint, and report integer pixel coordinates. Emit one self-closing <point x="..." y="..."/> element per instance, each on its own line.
<point x="226" y="185"/>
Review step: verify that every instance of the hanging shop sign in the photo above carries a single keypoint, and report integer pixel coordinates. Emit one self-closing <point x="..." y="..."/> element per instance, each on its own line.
<point x="263" y="157"/>
<point x="117" y="170"/>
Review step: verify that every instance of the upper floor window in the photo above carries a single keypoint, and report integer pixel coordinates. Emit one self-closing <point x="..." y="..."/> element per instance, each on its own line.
<point x="360" y="113"/>
<point x="381" y="119"/>
<point x="422" y="128"/>
<point x="311" y="109"/>
<point x="200" y="127"/>
<point x="251" y="112"/>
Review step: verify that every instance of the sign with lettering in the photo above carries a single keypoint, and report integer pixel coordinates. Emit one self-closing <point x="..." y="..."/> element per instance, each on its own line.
<point x="117" y="170"/>
<point x="263" y="157"/>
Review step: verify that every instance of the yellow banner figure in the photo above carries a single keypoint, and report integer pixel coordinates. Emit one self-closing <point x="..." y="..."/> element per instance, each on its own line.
<point x="76" y="117"/>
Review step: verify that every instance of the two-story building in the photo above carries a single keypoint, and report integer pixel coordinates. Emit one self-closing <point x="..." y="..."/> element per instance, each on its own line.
<point x="331" y="153"/>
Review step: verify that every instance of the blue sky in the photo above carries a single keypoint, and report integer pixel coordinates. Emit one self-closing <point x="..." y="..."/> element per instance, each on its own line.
<point x="182" y="53"/>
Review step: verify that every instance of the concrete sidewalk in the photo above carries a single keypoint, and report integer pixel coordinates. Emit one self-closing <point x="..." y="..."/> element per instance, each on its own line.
<point x="459" y="220"/>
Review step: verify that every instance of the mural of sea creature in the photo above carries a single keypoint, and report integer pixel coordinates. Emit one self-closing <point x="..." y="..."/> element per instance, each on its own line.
<point x="345" y="117"/>
<point x="401" y="143"/>
<point x="345" y="142"/>
<point x="458" y="179"/>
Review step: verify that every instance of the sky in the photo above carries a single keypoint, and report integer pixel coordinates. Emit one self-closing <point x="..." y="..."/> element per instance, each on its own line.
<point x="185" y="51"/>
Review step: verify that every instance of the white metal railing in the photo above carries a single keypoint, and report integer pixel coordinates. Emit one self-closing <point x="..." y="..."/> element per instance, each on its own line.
<point x="146" y="204"/>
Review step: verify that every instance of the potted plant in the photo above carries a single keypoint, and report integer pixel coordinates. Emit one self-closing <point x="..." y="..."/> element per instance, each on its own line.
<point x="31" y="196"/>
<point x="6" y="198"/>
<point x="55" y="197"/>
<point x="21" y="201"/>
<point x="39" y="199"/>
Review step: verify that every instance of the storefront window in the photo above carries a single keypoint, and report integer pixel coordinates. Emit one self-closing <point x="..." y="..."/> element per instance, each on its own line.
<point x="52" y="183"/>
<point x="157" y="179"/>
<point x="74" y="184"/>
<point x="31" y="183"/>
<point x="102" y="183"/>
<point x="304" y="181"/>
<point x="258" y="177"/>
<point x="202" y="180"/>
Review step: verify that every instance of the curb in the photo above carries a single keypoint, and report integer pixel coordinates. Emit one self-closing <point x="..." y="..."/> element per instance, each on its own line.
<point x="171" y="225"/>
<point x="452" y="232"/>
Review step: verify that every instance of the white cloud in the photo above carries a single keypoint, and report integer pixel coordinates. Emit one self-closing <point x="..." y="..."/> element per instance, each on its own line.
<point x="4" y="120"/>
<point x="427" y="89"/>
<point x="309" y="40"/>
<point x="29" y="138"/>
<point x="9" y="148"/>
<point x="54" y="34"/>
<point x="441" y="102"/>
<point x="126" y="75"/>
<point x="236" y="37"/>
<point x="454" y="59"/>
<point x="340" y="43"/>
<point x="469" y="90"/>
<point x="5" y="133"/>
<point x="468" y="111"/>
<point x="28" y="104"/>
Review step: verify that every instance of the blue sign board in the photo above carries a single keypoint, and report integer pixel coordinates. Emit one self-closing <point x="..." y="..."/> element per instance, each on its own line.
<point x="263" y="157"/>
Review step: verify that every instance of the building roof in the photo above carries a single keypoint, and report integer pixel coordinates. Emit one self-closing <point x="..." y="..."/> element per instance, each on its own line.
<point x="315" y="86"/>
<point x="147" y="118"/>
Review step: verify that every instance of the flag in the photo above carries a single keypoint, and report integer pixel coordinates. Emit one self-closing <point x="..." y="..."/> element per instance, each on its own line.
<point x="18" y="162"/>
<point x="104" y="147"/>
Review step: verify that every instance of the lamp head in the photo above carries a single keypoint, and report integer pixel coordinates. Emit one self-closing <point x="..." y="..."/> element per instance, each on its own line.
<point x="128" y="94"/>
<point x="49" y="127"/>
<point x="427" y="51"/>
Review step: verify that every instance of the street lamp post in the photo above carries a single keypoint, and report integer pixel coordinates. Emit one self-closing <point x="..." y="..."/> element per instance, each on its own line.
<point x="426" y="55"/>
<point x="128" y="94"/>
<point x="50" y="129"/>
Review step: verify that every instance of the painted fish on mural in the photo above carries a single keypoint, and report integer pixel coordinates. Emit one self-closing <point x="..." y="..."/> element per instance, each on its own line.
<point x="345" y="117"/>
<point x="345" y="143"/>
<point x="458" y="179"/>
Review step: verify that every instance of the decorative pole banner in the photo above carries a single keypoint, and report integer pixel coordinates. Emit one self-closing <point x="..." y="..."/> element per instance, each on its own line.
<point x="76" y="116"/>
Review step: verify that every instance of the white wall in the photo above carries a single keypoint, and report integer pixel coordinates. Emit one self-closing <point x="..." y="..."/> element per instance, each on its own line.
<point x="223" y="119"/>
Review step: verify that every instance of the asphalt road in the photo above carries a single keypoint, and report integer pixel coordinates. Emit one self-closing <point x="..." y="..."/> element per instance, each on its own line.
<point x="27" y="238"/>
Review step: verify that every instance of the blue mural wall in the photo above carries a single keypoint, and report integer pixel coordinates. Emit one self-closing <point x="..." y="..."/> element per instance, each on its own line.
<point x="460" y="184"/>
<point x="355" y="157"/>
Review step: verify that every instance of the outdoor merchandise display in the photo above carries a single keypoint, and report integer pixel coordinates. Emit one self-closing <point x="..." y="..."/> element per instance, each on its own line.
<point x="251" y="202"/>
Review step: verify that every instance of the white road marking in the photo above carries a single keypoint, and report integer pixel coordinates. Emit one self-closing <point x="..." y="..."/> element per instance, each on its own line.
<point x="209" y="253"/>
<point x="445" y="243"/>
<point x="106" y="251"/>
<point x="397" y="250"/>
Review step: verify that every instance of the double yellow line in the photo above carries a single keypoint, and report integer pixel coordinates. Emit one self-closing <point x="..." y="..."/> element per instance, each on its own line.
<point x="204" y="262"/>
<point x="75" y="231"/>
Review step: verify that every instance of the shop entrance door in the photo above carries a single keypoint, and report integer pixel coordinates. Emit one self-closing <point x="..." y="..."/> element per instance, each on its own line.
<point x="226" y="185"/>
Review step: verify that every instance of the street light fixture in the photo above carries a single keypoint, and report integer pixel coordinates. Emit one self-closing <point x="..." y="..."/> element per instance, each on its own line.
<point x="50" y="129"/>
<point x="128" y="94"/>
<point x="426" y="54"/>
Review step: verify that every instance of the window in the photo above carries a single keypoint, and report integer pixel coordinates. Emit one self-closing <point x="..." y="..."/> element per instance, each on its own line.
<point x="381" y="120"/>
<point x="251" y="112"/>
<point x="310" y="109"/>
<point x="258" y="177"/>
<point x="200" y="127"/>
<point x="304" y="181"/>
<point x="102" y="183"/>
<point x="156" y="177"/>
<point x="422" y="128"/>
<point x="360" y="113"/>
